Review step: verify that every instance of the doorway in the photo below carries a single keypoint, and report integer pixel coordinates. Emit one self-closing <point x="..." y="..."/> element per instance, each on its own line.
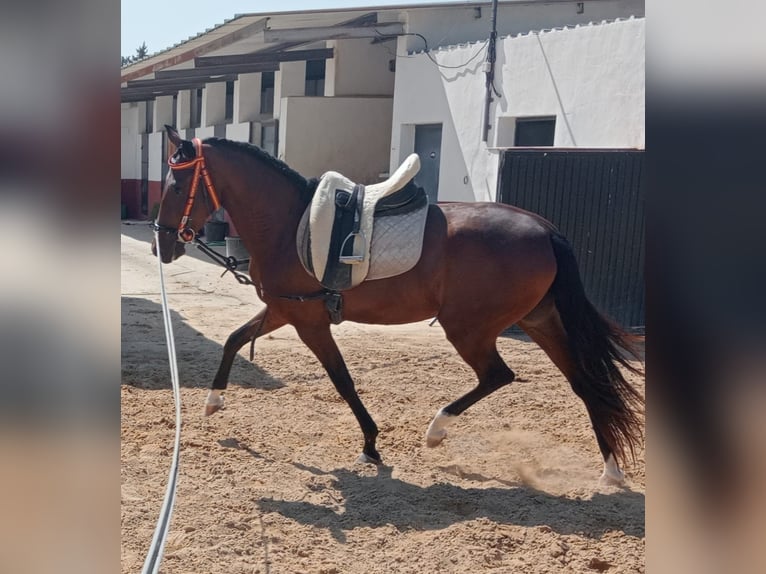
<point x="428" y="144"/>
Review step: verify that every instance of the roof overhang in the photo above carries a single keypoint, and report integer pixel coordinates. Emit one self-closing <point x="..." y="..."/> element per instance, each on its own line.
<point x="219" y="37"/>
<point x="255" y="44"/>
<point x="270" y="38"/>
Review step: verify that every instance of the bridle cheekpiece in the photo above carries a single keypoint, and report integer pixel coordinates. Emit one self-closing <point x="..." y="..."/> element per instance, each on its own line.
<point x="187" y="234"/>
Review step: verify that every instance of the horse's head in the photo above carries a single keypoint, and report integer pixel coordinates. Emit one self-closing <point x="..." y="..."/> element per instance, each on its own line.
<point x="184" y="207"/>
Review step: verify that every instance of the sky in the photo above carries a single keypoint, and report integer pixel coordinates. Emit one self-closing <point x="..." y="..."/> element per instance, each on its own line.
<point x="161" y="24"/>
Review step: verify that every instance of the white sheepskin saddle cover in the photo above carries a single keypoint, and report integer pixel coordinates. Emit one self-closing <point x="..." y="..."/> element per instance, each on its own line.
<point x="390" y="229"/>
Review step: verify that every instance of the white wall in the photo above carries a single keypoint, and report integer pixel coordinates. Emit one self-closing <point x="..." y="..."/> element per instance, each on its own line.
<point x="247" y="97"/>
<point x="130" y="143"/>
<point x="238" y="132"/>
<point x="213" y="104"/>
<point x="183" y="110"/>
<point x="455" y="24"/>
<point x="155" y="156"/>
<point x="591" y="78"/>
<point x="349" y="135"/>
<point x="163" y="112"/>
<point x="360" y="68"/>
<point x="204" y="132"/>
<point x="141" y="108"/>
<point x="421" y="98"/>
<point x="289" y="80"/>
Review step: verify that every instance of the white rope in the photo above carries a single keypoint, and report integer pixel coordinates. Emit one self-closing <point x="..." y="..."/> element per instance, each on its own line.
<point x="154" y="557"/>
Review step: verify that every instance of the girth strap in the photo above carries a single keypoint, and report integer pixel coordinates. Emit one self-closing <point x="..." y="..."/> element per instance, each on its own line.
<point x="333" y="301"/>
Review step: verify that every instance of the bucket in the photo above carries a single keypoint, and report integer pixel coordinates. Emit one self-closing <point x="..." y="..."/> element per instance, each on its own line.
<point x="235" y="248"/>
<point x="215" y="231"/>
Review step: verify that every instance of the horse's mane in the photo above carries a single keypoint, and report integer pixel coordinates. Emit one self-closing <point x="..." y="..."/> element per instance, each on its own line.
<point x="305" y="186"/>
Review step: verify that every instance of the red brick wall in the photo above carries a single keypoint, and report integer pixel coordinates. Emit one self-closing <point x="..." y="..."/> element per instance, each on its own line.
<point x="155" y="194"/>
<point x="130" y="195"/>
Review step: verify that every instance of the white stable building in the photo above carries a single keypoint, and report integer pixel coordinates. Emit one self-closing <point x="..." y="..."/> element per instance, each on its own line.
<point x="575" y="87"/>
<point x="353" y="90"/>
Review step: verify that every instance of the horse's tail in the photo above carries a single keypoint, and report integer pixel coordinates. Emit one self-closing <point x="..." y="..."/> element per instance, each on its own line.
<point x="614" y="406"/>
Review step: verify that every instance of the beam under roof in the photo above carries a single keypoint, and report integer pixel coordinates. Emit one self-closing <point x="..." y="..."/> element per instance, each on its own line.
<point x="153" y="92"/>
<point x="331" y="33"/>
<point x="366" y="19"/>
<point x="212" y="71"/>
<point x="256" y="58"/>
<point x="143" y="97"/>
<point x="172" y="83"/>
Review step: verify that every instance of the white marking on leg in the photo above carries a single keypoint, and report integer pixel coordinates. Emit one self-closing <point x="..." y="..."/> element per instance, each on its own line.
<point x="364" y="459"/>
<point x="214" y="401"/>
<point x="612" y="474"/>
<point x="437" y="429"/>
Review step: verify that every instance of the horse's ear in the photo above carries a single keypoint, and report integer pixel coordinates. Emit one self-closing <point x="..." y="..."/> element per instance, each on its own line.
<point x="173" y="135"/>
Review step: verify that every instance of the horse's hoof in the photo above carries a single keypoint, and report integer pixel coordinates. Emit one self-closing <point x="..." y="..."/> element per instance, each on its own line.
<point x="435" y="437"/>
<point x="366" y="459"/>
<point x="436" y="430"/>
<point x="612" y="475"/>
<point x="607" y="480"/>
<point x="213" y="403"/>
<point x="210" y="409"/>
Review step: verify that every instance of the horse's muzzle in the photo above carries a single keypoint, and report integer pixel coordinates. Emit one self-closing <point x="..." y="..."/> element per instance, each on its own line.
<point x="170" y="247"/>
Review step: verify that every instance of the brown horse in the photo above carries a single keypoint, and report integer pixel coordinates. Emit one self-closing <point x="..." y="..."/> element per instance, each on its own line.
<point x="484" y="267"/>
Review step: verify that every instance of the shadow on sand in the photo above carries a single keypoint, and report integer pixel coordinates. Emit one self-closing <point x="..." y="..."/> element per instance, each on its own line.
<point x="375" y="501"/>
<point x="145" y="356"/>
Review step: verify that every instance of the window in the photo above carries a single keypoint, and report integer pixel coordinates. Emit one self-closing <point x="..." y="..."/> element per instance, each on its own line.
<point x="315" y="73"/>
<point x="175" y="109"/>
<point x="534" y="131"/>
<point x="267" y="93"/>
<point x="229" y="113"/>
<point x="269" y="133"/>
<point x="195" y="116"/>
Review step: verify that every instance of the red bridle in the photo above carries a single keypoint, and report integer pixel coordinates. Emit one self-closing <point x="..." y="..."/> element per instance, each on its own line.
<point x="187" y="234"/>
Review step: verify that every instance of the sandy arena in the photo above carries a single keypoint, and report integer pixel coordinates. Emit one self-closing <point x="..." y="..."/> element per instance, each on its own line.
<point x="269" y="484"/>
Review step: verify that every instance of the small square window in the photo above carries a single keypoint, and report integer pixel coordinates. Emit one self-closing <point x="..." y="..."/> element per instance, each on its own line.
<point x="534" y="131"/>
<point x="269" y="134"/>
<point x="229" y="109"/>
<point x="315" y="76"/>
<point x="195" y="109"/>
<point x="267" y="93"/>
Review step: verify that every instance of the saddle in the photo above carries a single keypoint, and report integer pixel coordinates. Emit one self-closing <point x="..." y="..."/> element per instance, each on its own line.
<point x="350" y="232"/>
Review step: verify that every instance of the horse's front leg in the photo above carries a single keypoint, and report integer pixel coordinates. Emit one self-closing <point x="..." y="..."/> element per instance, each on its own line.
<point x="264" y="322"/>
<point x="321" y="343"/>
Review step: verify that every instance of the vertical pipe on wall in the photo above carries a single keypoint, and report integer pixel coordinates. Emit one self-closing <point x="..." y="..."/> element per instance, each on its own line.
<point x="489" y="70"/>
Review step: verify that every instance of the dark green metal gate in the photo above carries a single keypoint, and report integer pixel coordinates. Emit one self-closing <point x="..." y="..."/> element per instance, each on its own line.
<point x="596" y="199"/>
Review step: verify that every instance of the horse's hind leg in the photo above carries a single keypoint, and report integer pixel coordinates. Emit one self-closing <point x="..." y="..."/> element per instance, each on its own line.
<point x="479" y="350"/>
<point x="544" y="326"/>
<point x="264" y="322"/>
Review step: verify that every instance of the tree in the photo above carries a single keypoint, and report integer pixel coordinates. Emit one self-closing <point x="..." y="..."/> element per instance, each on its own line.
<point x="141" y="52"/>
